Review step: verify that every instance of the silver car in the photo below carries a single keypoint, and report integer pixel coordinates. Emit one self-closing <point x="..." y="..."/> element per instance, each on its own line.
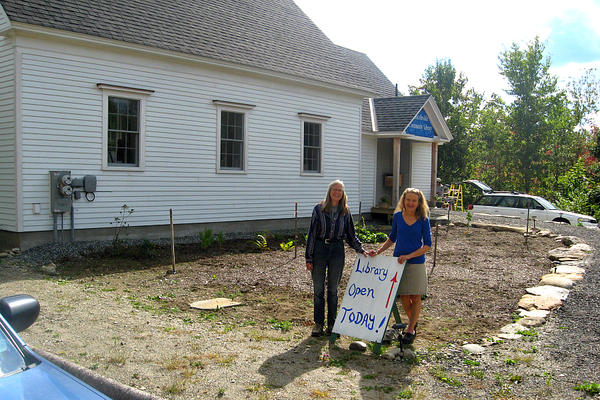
<point x="519" y="204"/>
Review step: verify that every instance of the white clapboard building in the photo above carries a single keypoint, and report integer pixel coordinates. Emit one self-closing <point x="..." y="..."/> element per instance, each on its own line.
<point x="227" y="112"/>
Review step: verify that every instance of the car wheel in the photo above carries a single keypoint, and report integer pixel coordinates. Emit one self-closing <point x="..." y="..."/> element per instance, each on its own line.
<point x="564" y="221"/>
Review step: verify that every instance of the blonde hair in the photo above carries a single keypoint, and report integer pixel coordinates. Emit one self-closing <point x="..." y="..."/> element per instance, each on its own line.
<point x="343" y="204"/>
<point x="422" y="208"/>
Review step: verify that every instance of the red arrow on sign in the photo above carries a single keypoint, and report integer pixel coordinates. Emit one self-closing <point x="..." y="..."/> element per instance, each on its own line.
<point x="394" y="280"/>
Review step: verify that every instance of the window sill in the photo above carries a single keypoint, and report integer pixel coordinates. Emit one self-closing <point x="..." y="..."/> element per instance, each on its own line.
<point x="317" y="174"/>
<point x="231" y="172"/>
<point x="122" y="169"/>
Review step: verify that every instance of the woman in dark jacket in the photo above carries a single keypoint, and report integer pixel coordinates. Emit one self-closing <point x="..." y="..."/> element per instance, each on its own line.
<point x="330" y="225"/>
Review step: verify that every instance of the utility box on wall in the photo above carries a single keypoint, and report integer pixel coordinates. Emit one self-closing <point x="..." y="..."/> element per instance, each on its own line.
<point x="61" y="191"/>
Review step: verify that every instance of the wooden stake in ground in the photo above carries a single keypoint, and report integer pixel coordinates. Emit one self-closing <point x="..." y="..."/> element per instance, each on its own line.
<point x="434" y="251"/>
<point x="296" y="230"/>
<point x="172" y="241"/>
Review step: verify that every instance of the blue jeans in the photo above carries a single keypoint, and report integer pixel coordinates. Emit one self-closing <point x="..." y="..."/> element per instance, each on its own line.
<point x="328" y="262"/>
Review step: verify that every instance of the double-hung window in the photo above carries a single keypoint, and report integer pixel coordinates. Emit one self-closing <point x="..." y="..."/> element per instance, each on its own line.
<point x="232" y="140"/>
<point x="312" y="143"/>
<point x="123" y="132"/>
<point x="123" y="136"/>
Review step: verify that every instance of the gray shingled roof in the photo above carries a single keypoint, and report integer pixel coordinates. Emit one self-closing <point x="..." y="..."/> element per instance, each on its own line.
<point x="271" y="34"/>
<point x="395" y="113"/>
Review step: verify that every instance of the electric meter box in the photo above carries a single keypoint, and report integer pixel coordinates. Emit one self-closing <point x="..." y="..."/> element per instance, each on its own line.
<point x="89" y="183"/>
<point x="60" y="191"/>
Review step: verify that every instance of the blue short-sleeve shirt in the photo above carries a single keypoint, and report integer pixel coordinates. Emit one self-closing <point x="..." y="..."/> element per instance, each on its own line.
<point x="409" y="238"/>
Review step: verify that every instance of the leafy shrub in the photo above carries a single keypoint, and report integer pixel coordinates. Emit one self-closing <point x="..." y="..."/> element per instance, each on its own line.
<point x="578" y="192"/>
<point x="261" y="242"/>
<point x="206" y="238"/>
<point x="366" y="235"/>
<point x="287" y="246"/>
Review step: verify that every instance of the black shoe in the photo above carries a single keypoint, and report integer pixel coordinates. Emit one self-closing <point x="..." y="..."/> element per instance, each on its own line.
<point x="317" y="330"/>
<point x="409" y="338"/>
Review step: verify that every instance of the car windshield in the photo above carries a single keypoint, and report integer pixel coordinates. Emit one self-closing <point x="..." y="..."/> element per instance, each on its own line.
<point x="547" y="205"/>
<point x="11" y="360"/>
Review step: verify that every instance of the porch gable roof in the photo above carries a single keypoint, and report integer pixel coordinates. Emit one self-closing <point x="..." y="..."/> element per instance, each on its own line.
<point x="392" y="116"/>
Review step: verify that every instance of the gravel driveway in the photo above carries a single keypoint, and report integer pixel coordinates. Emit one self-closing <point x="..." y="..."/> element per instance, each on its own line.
<point x="565" y="352"/>
<point x="568" y="345"/>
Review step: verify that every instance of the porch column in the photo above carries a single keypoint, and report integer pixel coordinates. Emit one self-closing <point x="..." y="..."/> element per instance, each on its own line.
<point x="396" y="172"/>
<point x="434" y="164"/>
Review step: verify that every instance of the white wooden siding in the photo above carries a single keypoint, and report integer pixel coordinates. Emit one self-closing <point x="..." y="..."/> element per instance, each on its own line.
<point x="62" y="123"/>
<point x="368" y="170"/>
<point x="421" y="167"/>
<point x="8" y="199"/>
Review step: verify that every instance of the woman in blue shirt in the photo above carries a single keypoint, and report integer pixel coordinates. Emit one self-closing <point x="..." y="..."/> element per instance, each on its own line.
<point x="330" y="225"/>
<point x="411" y="232"/>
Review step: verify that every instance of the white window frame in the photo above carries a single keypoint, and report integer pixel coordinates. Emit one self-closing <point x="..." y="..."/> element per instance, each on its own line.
<point x="124" y="93"/>
<point x="239" y="108"/>
<point x="315" y="119"/>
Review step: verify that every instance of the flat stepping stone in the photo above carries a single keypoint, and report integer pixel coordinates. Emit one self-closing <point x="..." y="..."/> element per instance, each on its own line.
<point x="568" y="269"/>
<point x="567" y="254"/>
<point x="572" y="277"/>
<point x="358" y="345"/>
<point x="550" y="291"/>
<point x="577" y="263"/>
<point x="473" y="348"/>
<point x="556" y="280"/>
<point x="511" y="328"/>
<point x="499" y="228"/>
<point x="510" y="336"/>
<point x="582" y="247"/>
<point x="534" y="313"/>
<point x="530" y="322"/>
<point x="532" y="302"/>
<point x="214" y="304"/>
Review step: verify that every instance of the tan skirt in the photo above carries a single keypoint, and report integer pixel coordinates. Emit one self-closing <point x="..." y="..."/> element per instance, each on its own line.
<point x="414" y="280"/>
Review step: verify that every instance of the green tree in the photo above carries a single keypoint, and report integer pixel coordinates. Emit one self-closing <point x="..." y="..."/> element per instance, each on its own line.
<point x="460" y="107"/>
<point x="584" y="93"/>
<point x="492" y="145"/>
<point x="548" y="123"/>
<point x="536" y="94"/>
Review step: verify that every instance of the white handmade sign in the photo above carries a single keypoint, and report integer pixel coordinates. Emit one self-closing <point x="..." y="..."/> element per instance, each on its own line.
<point x="369" y="298"/>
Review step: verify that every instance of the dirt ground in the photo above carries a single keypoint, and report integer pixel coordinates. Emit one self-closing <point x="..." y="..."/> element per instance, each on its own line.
<point x="126" y="318"/>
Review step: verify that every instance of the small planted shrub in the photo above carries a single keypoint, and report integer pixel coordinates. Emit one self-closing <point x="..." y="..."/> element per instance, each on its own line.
<point x="287" y="246"/>
<point x="206" y="238"/>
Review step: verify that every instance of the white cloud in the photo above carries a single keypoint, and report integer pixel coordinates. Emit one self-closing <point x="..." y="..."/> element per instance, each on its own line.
<point x="404" y="38"/>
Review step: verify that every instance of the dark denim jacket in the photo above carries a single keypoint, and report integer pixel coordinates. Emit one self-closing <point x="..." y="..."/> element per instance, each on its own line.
<point x="323" y="227"/>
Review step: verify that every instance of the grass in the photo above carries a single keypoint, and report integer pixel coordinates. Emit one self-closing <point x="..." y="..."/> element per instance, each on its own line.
<point x="117" y="360"/>
<point x="441" y="375"/>
<point x="404" y="394"/>
<point x="176" y="387"/>
<point x="590" y="388"/>
<point x="284" y="326"/>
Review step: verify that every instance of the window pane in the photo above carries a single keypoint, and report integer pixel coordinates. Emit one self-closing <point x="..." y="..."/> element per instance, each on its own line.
<point x="312" y="147"/>
<point x="232" y="140"/>
<point x="123" y="131"/>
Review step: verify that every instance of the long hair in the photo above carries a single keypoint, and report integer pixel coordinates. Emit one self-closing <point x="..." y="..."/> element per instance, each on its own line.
<point x="422" y="209"/>
<point x="343" y="204"/>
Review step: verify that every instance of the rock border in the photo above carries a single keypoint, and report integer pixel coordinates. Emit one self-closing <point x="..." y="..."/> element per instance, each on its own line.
<point x="549" y="293"/>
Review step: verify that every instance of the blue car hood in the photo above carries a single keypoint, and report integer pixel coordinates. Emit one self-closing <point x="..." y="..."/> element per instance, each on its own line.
<point x="45" y="381"/>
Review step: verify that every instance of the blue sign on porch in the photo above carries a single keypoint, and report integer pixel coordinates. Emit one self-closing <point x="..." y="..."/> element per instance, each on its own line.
<point x="421" y="126"/>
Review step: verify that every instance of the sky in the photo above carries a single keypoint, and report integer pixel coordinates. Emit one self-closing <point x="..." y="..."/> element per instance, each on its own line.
<point x="403" y="38"/>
